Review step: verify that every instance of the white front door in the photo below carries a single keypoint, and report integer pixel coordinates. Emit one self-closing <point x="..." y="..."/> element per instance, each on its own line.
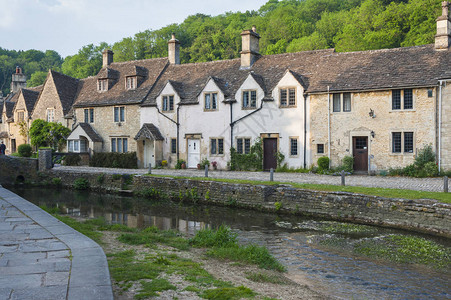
<point x="149" y="153"/>
<point x="193" y="153"/>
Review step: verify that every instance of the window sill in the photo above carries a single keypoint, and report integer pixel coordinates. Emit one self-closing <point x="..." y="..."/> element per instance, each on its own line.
<point x="288" y="106"/>
<point x="248" y="108"/>
<point x="210" y="110"/>
<point x="167" y="111"/>
<point x="401" y="110"/>
<point x="401" y="154"/>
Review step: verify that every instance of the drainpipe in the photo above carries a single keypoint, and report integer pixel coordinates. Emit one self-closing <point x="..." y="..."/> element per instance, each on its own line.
<point x="439" y="152"/>
<point x="328" y="123"/>
<point x="231" y="124"/>
<point x="243" y="117"/>
<point x="305" y="129"/>
<point x="176" y="123"/>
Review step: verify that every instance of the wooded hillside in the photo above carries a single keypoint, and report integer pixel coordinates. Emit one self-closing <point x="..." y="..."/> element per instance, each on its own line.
<point x="284" y="26"/>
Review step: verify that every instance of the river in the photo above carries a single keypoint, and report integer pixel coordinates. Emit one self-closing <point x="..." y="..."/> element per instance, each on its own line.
<point x="306" y="246"/>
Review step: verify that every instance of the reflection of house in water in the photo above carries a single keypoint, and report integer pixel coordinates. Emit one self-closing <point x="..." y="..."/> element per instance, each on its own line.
<point x="162" y="223"/>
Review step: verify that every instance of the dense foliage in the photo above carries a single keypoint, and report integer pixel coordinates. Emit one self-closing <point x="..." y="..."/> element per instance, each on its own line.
<point x="284" y="26"/>
<point x="114" y="160"/>
<point x="423" y="166"/>
<point x="48" y="134"/>
<point x="25" y="150"/>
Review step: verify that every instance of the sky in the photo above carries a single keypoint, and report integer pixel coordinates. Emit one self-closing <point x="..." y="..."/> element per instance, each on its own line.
<point x="67" y="25"/>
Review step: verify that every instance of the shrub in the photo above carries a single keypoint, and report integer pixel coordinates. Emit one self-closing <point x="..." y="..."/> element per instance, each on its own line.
<point x="81" y="184"/>
<point x="323" y="163"/>
<point x="430" y="169"/>
<point x="114" y="160"/>
<point x="72" y="160"/>
<point x="424" y="156"/>
<point x="253" y="161"/>
<point x="223" y="237"/>
<point x="204" y="162"/>
<point x="179" y="163"/>
<point x="25" y="150"/>
<point x="348" y="164"/>
<point x="56" y="181"/>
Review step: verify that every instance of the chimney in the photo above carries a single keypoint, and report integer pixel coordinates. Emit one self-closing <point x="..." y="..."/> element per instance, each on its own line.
<point x="443" y="36"/>
<point x="18" y="80"/>
<point x="250" y="47"/>
<point x="174" y="51"/>
<point x="107" y="57"/>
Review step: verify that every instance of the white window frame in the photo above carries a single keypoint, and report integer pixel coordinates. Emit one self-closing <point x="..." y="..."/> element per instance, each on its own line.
<point x="50" y="115"/>
<point x="102" y="85"/>
<point x="131" y="82"/>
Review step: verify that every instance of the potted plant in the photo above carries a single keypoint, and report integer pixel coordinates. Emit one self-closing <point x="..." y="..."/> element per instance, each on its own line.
<point x="214" y="164"/>
<point x="198" y="166"/>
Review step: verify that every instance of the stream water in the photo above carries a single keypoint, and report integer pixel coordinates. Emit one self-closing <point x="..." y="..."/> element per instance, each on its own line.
<point x="299" y="243"/>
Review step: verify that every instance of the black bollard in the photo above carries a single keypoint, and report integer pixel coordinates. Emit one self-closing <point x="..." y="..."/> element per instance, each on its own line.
<point x="342" y="173"/>
<point x="150" y="168"/>
<point x="206" y="170"/>
<point x="271" y="174"/>
<point x="445" y="184"/>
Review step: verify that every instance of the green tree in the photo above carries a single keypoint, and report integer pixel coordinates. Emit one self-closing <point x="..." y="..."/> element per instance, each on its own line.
<point x="48" y="134"/>
<point x="37" y="78"/>
<point x="87" y="62"/>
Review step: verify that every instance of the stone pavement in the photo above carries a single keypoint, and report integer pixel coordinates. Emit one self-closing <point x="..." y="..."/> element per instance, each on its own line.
<point x="43" y="258"/>
<point x="407" y="183"/>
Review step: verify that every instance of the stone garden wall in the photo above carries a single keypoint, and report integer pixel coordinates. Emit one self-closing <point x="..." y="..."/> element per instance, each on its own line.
<point x="429" y="216"/>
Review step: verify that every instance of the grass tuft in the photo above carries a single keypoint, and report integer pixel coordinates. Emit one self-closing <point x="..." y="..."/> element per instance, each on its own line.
<point x="149" y="289"/>
<point x="229" y="293"/>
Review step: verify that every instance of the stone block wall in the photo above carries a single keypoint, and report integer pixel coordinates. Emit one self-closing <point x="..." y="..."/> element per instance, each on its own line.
<point x="14" y="169"/>
<point x="429" y="216"/>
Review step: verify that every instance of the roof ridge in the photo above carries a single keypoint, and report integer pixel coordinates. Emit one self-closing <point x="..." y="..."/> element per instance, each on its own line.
<point x="137" y="60"/>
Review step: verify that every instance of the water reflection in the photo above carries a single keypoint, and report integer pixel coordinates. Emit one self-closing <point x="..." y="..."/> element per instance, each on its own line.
<point x="293" y="240"/>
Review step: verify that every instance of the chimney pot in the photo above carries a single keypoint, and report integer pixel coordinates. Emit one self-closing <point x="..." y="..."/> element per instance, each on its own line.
<point x="443" y="36"/>
<point x="18" y="70"/>
<point x="254" y="28"/>
<point x="107" y="57"/>
<point x="249" y="47"/>
<point x="174" y="51"/>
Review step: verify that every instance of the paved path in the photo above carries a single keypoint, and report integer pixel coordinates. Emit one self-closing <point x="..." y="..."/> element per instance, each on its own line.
<point x="43" y="258"/>
<point x="417" y="184"/>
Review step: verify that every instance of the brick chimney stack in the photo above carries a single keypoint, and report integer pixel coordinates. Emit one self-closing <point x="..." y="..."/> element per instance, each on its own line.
<point x="443" y="36"/>
<point x="107" y="57"/>
<point x="18" y="80"/>
<point x="250" y="47"/>
<point x="174" y="51"/>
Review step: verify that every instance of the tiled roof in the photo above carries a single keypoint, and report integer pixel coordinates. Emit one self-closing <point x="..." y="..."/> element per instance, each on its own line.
<point x="30" y="96"/>
<point x="226" y="73"/>
<point x="148" y="69"/>
<point x="66" y="87"/>
<point x="92" y="134"/>
<point x="10" y="104"/>
<point x="149" y="131"/>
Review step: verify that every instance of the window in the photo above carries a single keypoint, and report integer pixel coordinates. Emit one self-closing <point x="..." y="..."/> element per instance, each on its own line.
<point x="50" y="114"/>
<point x="89" y="115"/>
<point x="211" y="101"/>
<point x="131" y="83"/>
<point x="287" y="97"/>
<point x="402" y="142"/>
<point x="293" y="146"/>
<point x="102" y="85"/>
<point x="70" y="145"/>
<point x="76" y="146"/>
<point x="249" y="99"/>
<point x="346" y="102"/>
<point x="20" y="116"/>
<point x="119" y="145"/>
<point x="337" y="99"/>
<point x="408" y="142"/>
<point x="402" y="99"/>
<point x="336" y="103"/>
<point x="243" y="145"/>
<point x="119" y="114"/>
<point x="173" y="146"/>
<point x="320" y="148"/>
<point x="217" y="146"/>
<point x="168" y="103"/>
<point x="430" y="93"/>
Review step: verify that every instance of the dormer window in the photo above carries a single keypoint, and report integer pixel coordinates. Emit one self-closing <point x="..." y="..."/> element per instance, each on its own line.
<point x="287" y="97"/>
<point x="211" y="101"/>
<point x="102" y="85"/>
<point x="131" y="82"/>
<point x="250" y="99"/>
<point x="20" y="116"/>
<point x="168" y="103"/>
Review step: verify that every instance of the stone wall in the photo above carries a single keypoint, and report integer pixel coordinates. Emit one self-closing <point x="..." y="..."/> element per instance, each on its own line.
<point x="344" y="125"/>
<point x="14" y="169"/>
<point x="428" y="216"/>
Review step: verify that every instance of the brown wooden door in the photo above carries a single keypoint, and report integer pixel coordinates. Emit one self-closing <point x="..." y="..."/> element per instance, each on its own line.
<point x="360" y="152"/>
<point x="269" y="153"/>
<point x="13" y="146"/>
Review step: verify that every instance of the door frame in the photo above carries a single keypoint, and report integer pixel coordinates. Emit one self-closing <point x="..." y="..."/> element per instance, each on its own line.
<point x="187" y="151"/>
<point x="264" y="136"/>
<point x="368" y="141"/>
